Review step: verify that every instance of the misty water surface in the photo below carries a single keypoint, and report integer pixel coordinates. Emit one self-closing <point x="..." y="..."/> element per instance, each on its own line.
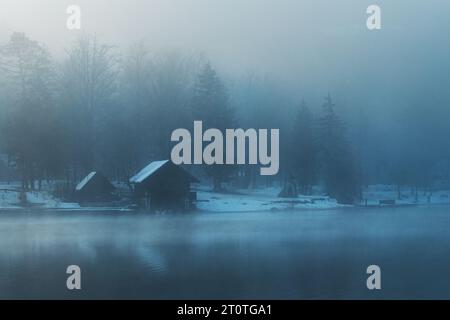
<point x="304" y="254"/>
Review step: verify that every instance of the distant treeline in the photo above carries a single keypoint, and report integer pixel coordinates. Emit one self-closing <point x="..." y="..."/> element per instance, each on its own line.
<point x="99" y="109"/>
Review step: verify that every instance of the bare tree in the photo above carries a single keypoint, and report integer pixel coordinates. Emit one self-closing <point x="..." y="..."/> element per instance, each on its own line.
<point x="88" y="87"/>
<point x="31" y="126"/>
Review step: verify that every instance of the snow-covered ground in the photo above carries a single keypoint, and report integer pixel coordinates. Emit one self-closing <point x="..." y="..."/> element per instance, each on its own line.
<point x="10" y="198"/>
<point x="375" y="193"/>
<point x="241" y="200"/>
<point x="263" y="199"/>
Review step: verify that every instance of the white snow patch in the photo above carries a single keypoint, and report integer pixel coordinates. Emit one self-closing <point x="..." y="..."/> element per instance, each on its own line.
<point x="147" y="171"/>
<point x="259" y="200"/>
<point x="374" y="193"/>
<point x="85" y="180"/>
<point x="10" y="198"/>
<point x="44" y="199"/>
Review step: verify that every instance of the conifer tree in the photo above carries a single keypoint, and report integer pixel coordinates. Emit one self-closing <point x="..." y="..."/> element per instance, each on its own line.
<point x="304" y="153"/>
<point x="338" y="170"/>
<point x="210" y="104"/>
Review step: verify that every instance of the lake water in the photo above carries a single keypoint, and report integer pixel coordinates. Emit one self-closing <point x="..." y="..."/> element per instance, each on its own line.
<point x="279" y="255"/>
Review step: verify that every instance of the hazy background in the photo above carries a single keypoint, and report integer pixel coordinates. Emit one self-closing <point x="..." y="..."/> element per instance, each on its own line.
<point x="391" y="83"/>
<point x="314" y="46"/>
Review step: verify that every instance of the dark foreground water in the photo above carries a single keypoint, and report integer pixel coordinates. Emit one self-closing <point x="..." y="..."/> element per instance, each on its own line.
<point x="280" y="255"/>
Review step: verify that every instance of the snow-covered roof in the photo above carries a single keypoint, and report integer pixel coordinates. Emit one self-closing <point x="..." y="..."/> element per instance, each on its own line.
<point x="85" y="180"/>
<point x="147" y="171"/>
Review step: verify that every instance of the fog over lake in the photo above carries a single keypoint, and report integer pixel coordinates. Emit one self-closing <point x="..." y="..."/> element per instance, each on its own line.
<point x="362" y="176"/>
<point x="287" y="255"/>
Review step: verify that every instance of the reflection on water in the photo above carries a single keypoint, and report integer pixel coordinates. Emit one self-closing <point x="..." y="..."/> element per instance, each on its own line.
<point x="286" y="255"/>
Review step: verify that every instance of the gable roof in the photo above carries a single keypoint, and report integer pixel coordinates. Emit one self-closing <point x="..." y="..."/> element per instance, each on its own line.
<point x="95" y="179"/>
<point x="153" y="167"/>
<point x="85" y="180"/>
<point x="147" y="171"/>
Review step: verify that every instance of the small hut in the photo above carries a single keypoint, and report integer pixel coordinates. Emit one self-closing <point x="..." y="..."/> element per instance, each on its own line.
<point x="161" y="185"/>
<point x="95" y="187"/>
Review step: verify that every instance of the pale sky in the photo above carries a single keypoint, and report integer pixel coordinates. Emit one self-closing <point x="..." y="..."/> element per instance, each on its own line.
<point x="319" y="46"/>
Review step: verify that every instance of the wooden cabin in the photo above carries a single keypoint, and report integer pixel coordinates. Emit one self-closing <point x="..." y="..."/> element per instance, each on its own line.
<point x="161" y="185"/>
<point x="95" y="187"/>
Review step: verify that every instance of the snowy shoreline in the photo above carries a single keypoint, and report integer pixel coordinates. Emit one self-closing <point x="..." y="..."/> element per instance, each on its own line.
<point x="241" y="200"/>
<point x="206" y="211"/>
